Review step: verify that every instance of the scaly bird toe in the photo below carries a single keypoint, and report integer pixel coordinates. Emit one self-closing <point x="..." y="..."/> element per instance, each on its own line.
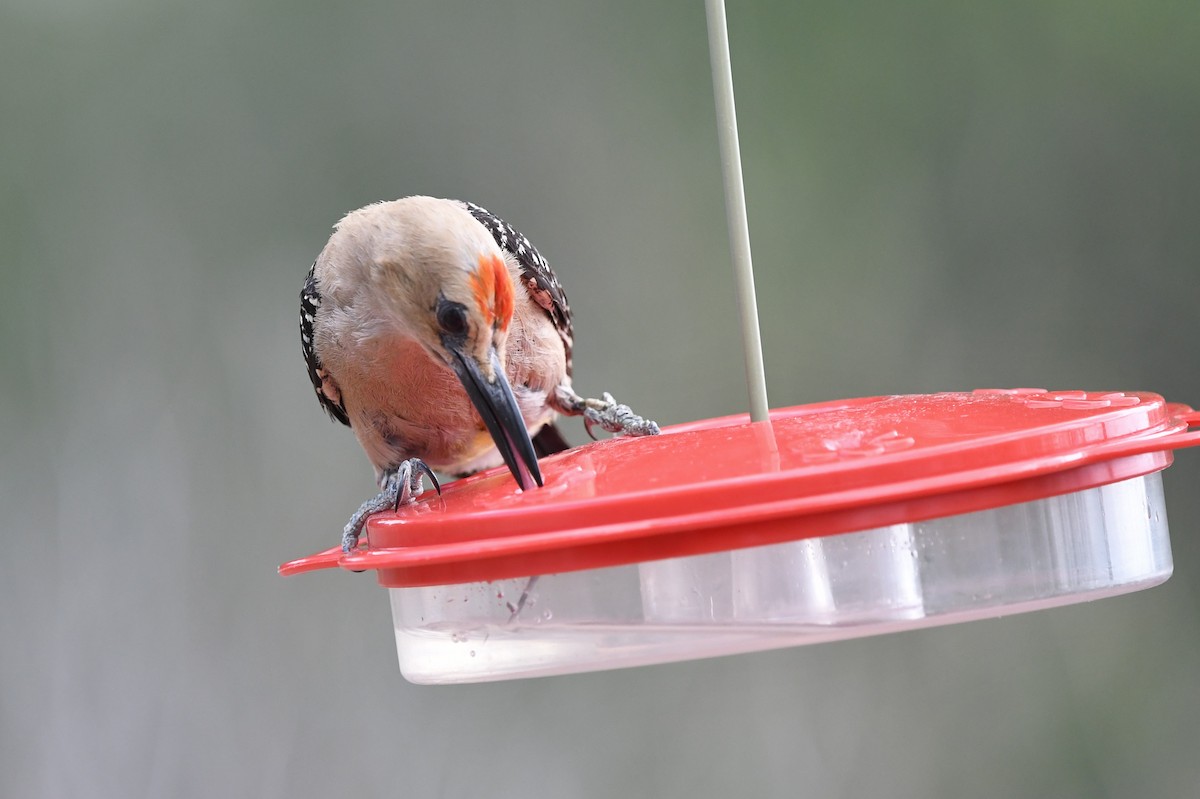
<point x="615" y="418"/>
<point x="400" y="487"/>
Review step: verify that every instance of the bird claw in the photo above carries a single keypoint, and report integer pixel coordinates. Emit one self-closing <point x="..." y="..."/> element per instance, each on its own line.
<point x="399" y="487"/>
<point x="408" y="476"/>
<point x="615" y="418"/>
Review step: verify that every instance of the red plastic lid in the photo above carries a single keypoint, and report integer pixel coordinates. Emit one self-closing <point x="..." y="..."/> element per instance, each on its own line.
<point x="812" y="470"/>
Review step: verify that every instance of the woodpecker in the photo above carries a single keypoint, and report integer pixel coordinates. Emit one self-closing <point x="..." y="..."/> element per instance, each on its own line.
<point x="443" y="339"/>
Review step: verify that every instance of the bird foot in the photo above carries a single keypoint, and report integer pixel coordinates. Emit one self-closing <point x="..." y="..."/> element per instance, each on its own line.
<point x="399" y="487"/>
<point x="614" y="417"/>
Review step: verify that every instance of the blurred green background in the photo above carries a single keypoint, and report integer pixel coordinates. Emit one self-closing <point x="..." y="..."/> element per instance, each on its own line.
<point x="942" y="196"/>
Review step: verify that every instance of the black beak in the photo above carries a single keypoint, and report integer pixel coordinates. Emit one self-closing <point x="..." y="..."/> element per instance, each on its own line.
<point x="498" y="407"/>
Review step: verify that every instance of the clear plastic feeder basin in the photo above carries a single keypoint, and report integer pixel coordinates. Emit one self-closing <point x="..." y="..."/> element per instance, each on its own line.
<point x="831" y="521"/>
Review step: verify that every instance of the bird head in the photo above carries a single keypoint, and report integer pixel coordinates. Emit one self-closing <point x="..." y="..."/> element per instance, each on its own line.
<point x="443" y="274"/>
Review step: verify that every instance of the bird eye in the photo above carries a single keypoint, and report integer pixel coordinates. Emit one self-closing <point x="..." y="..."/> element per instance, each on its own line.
<point x="452" y="318"/>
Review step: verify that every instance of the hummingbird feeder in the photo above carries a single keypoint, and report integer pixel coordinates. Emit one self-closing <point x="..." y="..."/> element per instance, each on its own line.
<point x="795" y="526"/>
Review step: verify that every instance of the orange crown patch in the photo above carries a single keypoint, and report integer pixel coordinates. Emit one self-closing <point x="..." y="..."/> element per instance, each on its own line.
<point x="493" y="291"/>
